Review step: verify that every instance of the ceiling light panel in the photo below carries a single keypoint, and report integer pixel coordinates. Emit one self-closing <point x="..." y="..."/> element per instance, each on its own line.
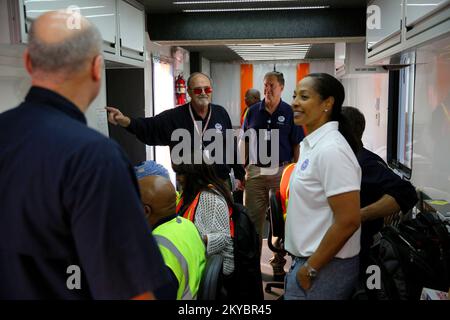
<point x="229" y="1"/>
<point x="271" y="52"/>
<point x="253" y="9"/>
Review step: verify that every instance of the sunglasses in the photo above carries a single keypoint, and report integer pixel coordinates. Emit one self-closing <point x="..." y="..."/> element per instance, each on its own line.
<point x="206" y="90"/>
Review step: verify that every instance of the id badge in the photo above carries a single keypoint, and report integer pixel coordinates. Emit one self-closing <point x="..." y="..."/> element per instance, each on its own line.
<point x="267" y="135"/>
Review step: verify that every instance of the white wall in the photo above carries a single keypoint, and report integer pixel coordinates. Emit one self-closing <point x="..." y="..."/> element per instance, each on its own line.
<point x="323" y="66"/>
<point x="227" y="77"/>
<point x="4" y="25"/>
<point x="15" y="83"/>
<point x="14" y="80"/>
<point x="206" y="66"/>
<point x="96" y="115"/>
<point x="227" y="88"/>
<point x="369" y="93"/>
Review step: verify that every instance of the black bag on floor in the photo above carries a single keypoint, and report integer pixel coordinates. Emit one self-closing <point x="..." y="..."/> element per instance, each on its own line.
<point x="246" y="281"/>
<point x="414" y="255"/>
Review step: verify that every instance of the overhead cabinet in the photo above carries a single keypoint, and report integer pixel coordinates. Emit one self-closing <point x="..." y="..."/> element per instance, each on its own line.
<point x="102" y="13"/>
<point x="349" y="60"/>
<point x="423" y="15"/>
<point x="131" y="20"/>
<point x="120" y="22"/>
<point x="396" y="26"/>
<point x="384" y="23"/>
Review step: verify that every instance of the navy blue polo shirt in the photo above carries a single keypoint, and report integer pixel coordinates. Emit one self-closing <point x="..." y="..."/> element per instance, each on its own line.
<point x="258" y="118"/>
<point x="158" y="130"/>
<point x="378" y="180"/>
<point x="68" y="196"/>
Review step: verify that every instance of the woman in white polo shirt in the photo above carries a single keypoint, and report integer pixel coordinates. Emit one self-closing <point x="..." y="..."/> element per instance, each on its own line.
<point x="323" y="217"/>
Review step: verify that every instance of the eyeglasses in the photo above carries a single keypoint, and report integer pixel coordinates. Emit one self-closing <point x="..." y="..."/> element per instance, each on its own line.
<point x="199" y="90"/>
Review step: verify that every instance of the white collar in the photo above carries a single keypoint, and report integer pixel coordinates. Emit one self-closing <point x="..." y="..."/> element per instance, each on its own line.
<point x="314" y="137"/>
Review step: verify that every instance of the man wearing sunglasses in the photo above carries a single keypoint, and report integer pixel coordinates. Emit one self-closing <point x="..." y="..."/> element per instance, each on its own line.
<point x="158" y="130"/>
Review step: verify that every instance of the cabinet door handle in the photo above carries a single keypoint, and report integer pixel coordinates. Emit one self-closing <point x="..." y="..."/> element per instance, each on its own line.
<point x="25" y="16"/>
<point x="113" y="45"/>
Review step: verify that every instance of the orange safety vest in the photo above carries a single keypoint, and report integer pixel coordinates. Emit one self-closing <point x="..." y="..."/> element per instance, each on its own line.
<point x="190" y="212"/>
<point x="284" y="187"/>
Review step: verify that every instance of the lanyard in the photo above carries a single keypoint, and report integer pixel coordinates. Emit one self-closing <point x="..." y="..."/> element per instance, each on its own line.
<point x="195" y="122"/>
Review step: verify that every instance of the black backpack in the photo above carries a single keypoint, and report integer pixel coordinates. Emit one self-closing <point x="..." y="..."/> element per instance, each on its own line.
<point x="246" y="279"/>
<point x="414" y="255"/>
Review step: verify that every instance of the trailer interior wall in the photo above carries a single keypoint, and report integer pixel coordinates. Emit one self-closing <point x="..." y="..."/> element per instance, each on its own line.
<point x="431" y="146"/>
<point x="227" y="81"/>
<point x="369" y="93"/>
<point x="15" y="83"/>
<point x="14" y="80"/>
<point x="431" y="128"/>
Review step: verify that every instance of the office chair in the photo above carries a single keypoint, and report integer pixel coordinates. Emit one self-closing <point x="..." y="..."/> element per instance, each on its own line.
<point x="276" y="230"/>
<point x="211" y="283"/>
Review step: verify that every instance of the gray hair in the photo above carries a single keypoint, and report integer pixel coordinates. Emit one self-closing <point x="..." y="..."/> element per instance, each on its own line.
<point x="278" y="75"/>
<point x="253" y="93"/>
<point x="68" y="55"/>
<point x="195" y="74"/>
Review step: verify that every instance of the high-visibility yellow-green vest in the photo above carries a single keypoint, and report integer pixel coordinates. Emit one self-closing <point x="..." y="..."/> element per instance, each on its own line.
<point x="184" y="253"/>
<point x="178" y="197"/>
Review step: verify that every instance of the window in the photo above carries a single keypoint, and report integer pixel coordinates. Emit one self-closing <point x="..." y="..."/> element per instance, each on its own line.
<point x="401" y="115"/>
<point x="163" y="99"/>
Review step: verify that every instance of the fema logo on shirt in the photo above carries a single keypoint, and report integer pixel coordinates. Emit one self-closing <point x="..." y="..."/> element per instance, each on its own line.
<point x="218" y="127"/>
<point x="304" y="165"/>
<point x="281" y="119"/>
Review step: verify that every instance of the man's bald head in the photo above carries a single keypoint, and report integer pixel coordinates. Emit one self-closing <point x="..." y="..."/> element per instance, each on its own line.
<point x="159" y="194"/>
<point x="60" y="41"/>
<point x="252" y="96"/>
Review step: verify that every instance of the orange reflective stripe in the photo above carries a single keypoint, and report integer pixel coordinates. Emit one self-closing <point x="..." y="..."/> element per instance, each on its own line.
<point x="230" y="212"/>
<point x="190" y="211"/>
<point x="284" y="186"/>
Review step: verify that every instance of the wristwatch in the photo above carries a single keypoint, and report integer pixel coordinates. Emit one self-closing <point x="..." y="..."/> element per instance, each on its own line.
<point x="312" y="273"/>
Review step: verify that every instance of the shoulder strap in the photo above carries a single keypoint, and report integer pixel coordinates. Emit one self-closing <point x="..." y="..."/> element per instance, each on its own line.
<point x="190" y="211"/>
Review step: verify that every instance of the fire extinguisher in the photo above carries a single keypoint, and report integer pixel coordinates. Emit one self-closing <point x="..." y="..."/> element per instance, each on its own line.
<point x="180" y="90"/>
